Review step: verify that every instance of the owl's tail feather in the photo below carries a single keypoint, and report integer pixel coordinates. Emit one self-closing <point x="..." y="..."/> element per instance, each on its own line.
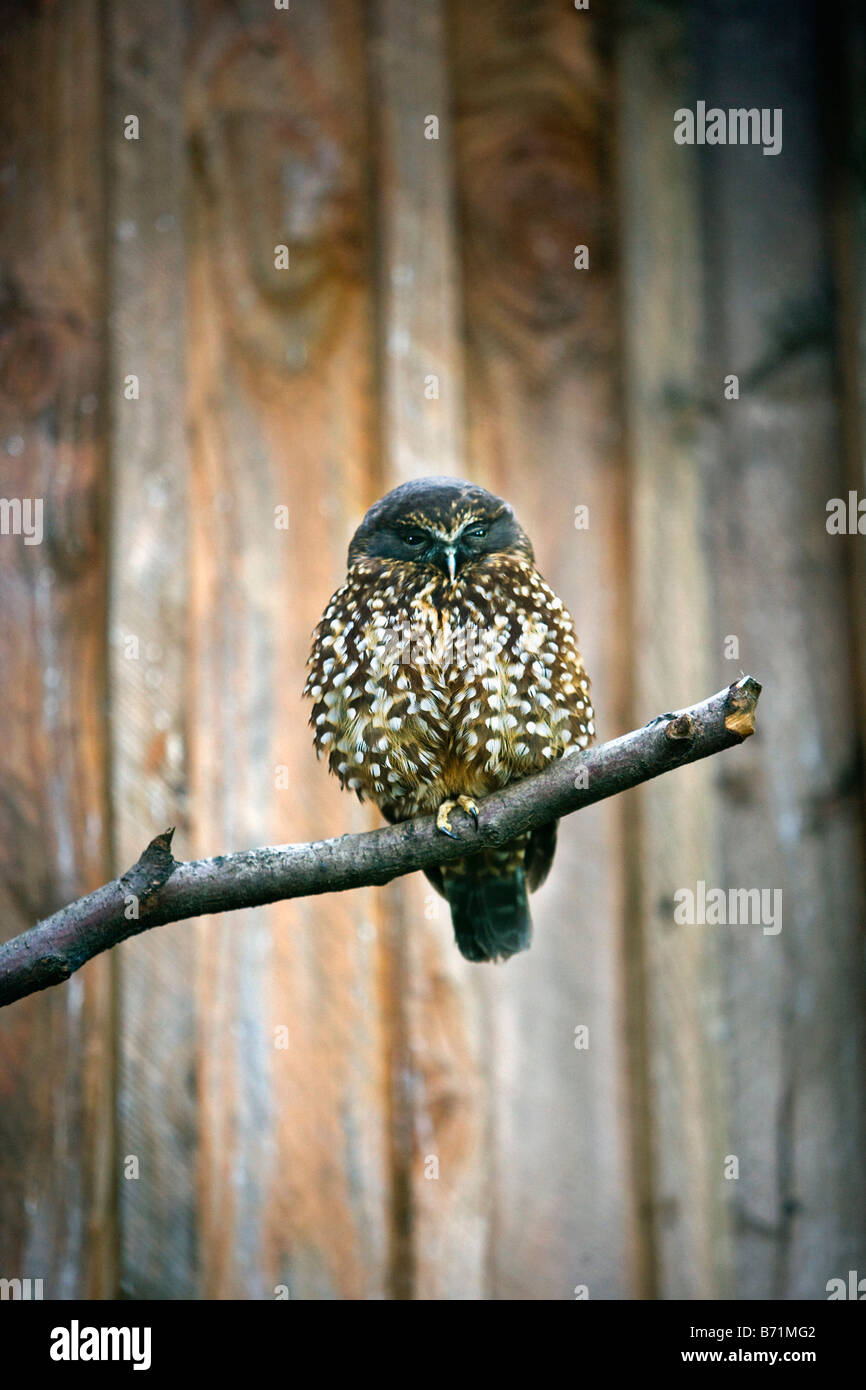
<point x="490" y="915"/>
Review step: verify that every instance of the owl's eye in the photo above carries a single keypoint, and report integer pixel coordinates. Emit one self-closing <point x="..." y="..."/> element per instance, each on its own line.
<point x="478" y="532"/>
<point x="414" y="538"/>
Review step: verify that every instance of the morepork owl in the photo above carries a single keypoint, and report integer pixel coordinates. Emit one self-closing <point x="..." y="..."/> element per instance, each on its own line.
<point x="443" y="669"/>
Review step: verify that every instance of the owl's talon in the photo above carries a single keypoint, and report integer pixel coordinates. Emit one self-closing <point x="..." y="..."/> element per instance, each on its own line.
<point x="442" y="821"/>
<point x="442" y="815"/>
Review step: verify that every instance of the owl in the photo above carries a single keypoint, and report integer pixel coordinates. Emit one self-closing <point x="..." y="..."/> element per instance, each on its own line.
<point x="442" y="670"/>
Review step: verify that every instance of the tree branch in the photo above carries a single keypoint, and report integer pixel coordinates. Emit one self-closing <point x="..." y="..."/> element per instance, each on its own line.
<point x="160" y="889"/>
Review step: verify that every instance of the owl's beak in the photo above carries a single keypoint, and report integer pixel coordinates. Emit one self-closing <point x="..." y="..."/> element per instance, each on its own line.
<point x="451" y="560"/>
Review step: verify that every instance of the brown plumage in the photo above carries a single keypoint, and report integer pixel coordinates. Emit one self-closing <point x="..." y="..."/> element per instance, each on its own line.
<point x="443" y="669"/>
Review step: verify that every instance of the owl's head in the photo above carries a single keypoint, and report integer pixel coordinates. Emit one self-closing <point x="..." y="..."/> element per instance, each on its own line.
<point x="445" y="523"/>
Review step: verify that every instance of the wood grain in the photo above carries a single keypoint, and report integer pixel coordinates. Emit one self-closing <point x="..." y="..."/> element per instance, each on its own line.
<point x="794" y="1002"/>
<point x="157" y="1101"/>
<point x="418" y="270"/>
<point x="674" y="1001"/>
<point x="152" y="647"/>
<point x="295" y="1152"/>
<point x="441" y="1104"/>
<point x="56" y="1065"/>
<point x="533" y="93"/>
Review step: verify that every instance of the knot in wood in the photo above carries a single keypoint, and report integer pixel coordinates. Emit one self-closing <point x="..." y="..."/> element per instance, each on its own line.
<point x="680" y="730"/>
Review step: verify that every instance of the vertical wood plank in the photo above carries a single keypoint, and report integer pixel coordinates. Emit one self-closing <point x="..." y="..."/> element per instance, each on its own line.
<point x="295" y="1161"/>
<point x="844" y="75"/>
<point x="157" y="1103"/>
<point x="441" y="1101"/>
<point x="790" y="811"/>
<point x="533" y="95"/>
<point x="56" y="1217"/>
<point x="418" y="261"/>
<point x="679" y="1116"/>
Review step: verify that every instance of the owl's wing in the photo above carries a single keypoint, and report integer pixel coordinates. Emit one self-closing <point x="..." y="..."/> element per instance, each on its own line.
<point x="539" y="854"/>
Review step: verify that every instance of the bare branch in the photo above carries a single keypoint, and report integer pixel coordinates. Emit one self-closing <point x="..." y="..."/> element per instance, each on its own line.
<point x="160" y="889"/>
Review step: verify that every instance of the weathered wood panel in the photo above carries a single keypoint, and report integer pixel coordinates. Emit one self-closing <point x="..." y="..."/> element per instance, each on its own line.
<point x="679" y="1114"/>
<point x="341" y="253"/>
<point x="56" y="1209"/>
<point x="295" y="1152"/>
<point x="440" y="1099"/>
<point x="149" y="632"/>
<point x="845" y="74"/>
<point x="790" y="809"/>
<point x="533" y="94"/>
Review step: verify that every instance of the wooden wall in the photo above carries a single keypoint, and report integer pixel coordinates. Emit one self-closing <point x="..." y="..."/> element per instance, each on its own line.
<point x="250" y="1105"/>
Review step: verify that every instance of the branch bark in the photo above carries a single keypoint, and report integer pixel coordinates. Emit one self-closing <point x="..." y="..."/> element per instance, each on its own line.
<point x="159" y="888"/>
